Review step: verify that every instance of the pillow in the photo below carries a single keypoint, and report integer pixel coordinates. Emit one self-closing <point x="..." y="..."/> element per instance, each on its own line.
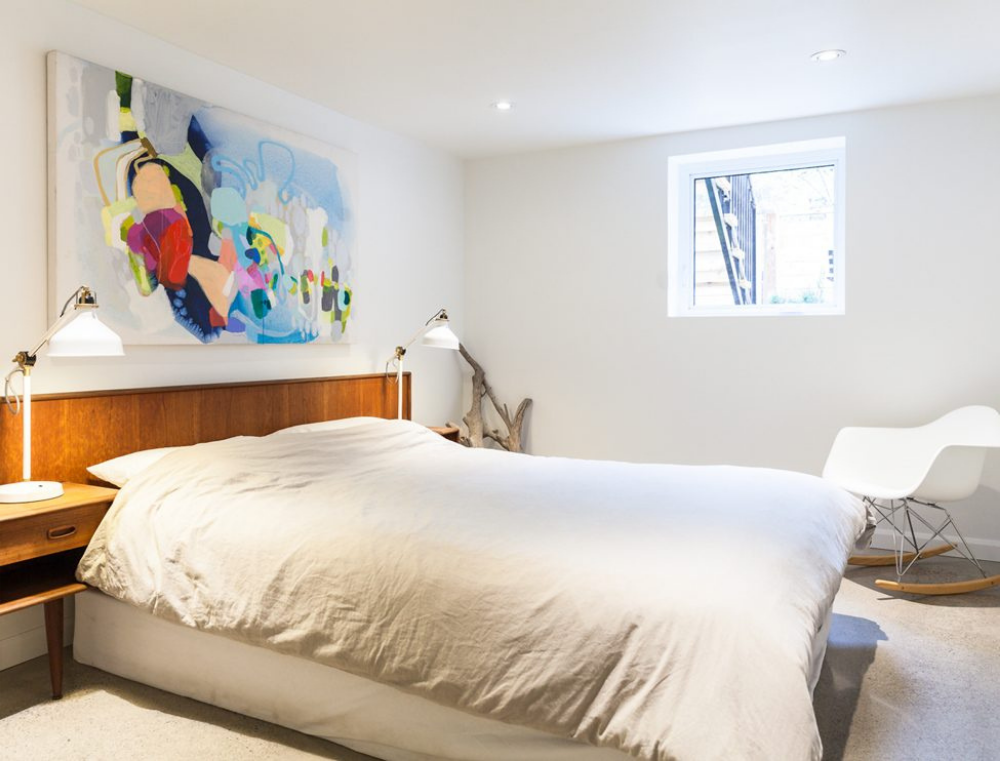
<point x="121" y="470"/>
<point x="330" y="425"/>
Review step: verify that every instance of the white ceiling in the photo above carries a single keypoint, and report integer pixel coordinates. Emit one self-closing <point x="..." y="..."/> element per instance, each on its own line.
<point x="585" y="70"/>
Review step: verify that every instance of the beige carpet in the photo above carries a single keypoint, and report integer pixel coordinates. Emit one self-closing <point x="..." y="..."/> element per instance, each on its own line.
<point x="905" y="678"/>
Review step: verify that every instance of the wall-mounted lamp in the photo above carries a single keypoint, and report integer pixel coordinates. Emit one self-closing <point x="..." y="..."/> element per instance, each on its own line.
<point x="437" y="333"/>
<point x="77" y="333"/>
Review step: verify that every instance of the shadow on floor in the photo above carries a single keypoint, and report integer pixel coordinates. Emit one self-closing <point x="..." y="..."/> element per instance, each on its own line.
<point x="26" y="688"/>
<point x="850" y="651"/>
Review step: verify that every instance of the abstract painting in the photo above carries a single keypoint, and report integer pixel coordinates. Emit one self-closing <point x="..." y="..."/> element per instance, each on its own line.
<point x="195" y="224"/>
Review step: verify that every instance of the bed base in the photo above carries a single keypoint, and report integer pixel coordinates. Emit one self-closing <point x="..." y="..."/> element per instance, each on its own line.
<point x="312" y="698"/>
<point x="303" y="695"/>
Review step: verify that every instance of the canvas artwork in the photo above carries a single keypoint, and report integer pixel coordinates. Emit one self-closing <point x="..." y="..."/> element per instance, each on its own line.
<point x="193" y="223"/>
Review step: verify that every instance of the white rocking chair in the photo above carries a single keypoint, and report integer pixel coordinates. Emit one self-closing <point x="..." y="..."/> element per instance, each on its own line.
<point x="893" y="469"/>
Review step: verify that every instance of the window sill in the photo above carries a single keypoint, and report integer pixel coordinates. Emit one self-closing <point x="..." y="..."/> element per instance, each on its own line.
<point x="759" y="311"/>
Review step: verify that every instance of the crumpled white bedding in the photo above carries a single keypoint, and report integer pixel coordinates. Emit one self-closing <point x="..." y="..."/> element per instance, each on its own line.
<point x="666" y="611"/>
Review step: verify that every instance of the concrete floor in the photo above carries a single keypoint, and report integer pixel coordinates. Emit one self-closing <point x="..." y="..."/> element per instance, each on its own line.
<point x="904" y="678"/>
<point x="910" y="677"/>
<point x="106" y="718"/>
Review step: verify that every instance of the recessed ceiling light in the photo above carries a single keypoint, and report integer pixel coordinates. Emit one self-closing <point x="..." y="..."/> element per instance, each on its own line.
<point x="503" y="105"/>
<point x="824" y="56"/>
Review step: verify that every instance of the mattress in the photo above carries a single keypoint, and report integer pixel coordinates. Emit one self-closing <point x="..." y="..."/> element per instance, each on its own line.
<point x="352" y="711"/>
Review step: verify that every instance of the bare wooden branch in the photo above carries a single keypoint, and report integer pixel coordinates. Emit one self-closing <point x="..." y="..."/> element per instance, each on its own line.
<point x="477" y="434"/>
<point x="473" y="419"/>
<point x="495" y="436"/>
<point x="514" y="442"/>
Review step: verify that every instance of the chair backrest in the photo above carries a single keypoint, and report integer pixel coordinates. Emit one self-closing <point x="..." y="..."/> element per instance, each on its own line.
<point x="938" y="462"/>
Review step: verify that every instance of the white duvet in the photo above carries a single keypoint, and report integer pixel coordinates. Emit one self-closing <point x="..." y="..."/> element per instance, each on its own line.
<point x="665" y="611"/>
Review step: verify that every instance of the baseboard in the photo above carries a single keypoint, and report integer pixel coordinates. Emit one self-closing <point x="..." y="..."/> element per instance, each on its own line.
<point x="22" y="647"/>
<point x="22" y="635"/>
<point x="984" y="549"/>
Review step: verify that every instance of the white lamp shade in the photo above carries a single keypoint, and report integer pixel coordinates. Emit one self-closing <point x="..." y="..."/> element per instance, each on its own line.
<point x="440" y="336"/>
<point x="86" y="336"/>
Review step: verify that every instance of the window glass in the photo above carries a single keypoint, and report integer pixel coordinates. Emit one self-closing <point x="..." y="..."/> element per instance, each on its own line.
<point x="765" y="238"/>
<point x="758" y="230"/>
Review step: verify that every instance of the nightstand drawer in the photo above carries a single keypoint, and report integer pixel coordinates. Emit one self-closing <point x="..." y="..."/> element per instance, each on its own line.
<point x="36" y="535"/>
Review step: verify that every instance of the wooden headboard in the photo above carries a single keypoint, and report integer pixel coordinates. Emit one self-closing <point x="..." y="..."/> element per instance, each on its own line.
<point x="71" y="431"/>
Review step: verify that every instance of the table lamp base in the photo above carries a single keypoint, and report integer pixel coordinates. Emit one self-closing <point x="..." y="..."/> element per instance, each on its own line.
<point x="29" y="491"/>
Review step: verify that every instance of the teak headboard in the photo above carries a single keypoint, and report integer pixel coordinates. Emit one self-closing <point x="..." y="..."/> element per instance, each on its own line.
<point x="71" y="431"/>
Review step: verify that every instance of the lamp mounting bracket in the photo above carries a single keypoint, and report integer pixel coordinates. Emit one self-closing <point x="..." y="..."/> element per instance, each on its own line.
<point x="25" y="360"/>
<point x="82" y="298"/>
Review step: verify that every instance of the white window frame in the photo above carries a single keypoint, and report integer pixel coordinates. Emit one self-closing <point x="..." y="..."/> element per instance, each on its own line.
<point x="683" y="171"/>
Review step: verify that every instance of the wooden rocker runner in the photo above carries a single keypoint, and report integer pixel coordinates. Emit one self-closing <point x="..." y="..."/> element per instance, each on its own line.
<point x="903" y="474"/>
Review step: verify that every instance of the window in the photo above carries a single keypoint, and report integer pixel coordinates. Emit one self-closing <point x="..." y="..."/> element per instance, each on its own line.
<point x="757" y="231"/>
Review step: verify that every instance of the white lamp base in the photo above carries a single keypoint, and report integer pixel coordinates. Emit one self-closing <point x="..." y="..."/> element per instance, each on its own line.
<point x="30" y="491"/>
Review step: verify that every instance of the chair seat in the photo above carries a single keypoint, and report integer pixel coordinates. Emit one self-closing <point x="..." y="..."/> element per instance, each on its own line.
<point x="940" y="461"/>
<point x="871" y="489"/>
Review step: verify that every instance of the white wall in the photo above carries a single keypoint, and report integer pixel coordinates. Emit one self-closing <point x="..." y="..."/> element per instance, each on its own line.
<point x="566" y="302"/>
<point x="410" y="231"/>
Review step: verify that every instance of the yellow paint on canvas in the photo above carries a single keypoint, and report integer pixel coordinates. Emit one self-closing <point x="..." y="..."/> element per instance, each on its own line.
<point x="126" y="122"/>
<point x="273" y="226"/>
<point x="112" y="216"/>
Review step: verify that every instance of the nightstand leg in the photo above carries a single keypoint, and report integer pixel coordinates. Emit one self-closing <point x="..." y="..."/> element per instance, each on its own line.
<point x="54" y="636"/>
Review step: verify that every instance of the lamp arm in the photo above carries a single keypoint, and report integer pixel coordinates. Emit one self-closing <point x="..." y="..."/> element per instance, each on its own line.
<point x="84" y="298"/>
<point x="401" y="349"/>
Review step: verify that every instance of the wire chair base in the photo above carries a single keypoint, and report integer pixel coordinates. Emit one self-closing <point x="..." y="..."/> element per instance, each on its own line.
<point x="903" y="518"/>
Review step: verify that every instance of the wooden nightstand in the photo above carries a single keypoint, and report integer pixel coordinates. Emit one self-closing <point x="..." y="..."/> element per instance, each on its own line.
<point x="450" y="432"/>
<point x="40" y="546"/>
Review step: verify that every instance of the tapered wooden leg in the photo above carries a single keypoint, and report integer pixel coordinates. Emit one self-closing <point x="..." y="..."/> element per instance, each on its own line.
<point x="54" y="636"/>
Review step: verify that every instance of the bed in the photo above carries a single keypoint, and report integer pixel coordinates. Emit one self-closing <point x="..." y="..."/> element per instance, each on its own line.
<point x="409" y="598"/>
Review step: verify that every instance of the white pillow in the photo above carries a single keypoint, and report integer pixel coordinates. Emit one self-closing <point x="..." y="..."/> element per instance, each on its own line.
<point x="330" y="425"/>
<point x="121" y="470"/>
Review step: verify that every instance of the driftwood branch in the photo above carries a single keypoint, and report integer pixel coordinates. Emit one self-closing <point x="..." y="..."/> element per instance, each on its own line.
<point x="477" y="433"/>
<point x="473" y="419"/>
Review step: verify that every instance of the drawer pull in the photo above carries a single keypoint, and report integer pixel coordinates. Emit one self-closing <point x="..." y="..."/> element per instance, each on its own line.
<point x="62" y="532"/>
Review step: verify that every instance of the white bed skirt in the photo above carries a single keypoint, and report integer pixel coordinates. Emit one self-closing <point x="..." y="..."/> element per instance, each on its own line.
<point x="353" y="711"/>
